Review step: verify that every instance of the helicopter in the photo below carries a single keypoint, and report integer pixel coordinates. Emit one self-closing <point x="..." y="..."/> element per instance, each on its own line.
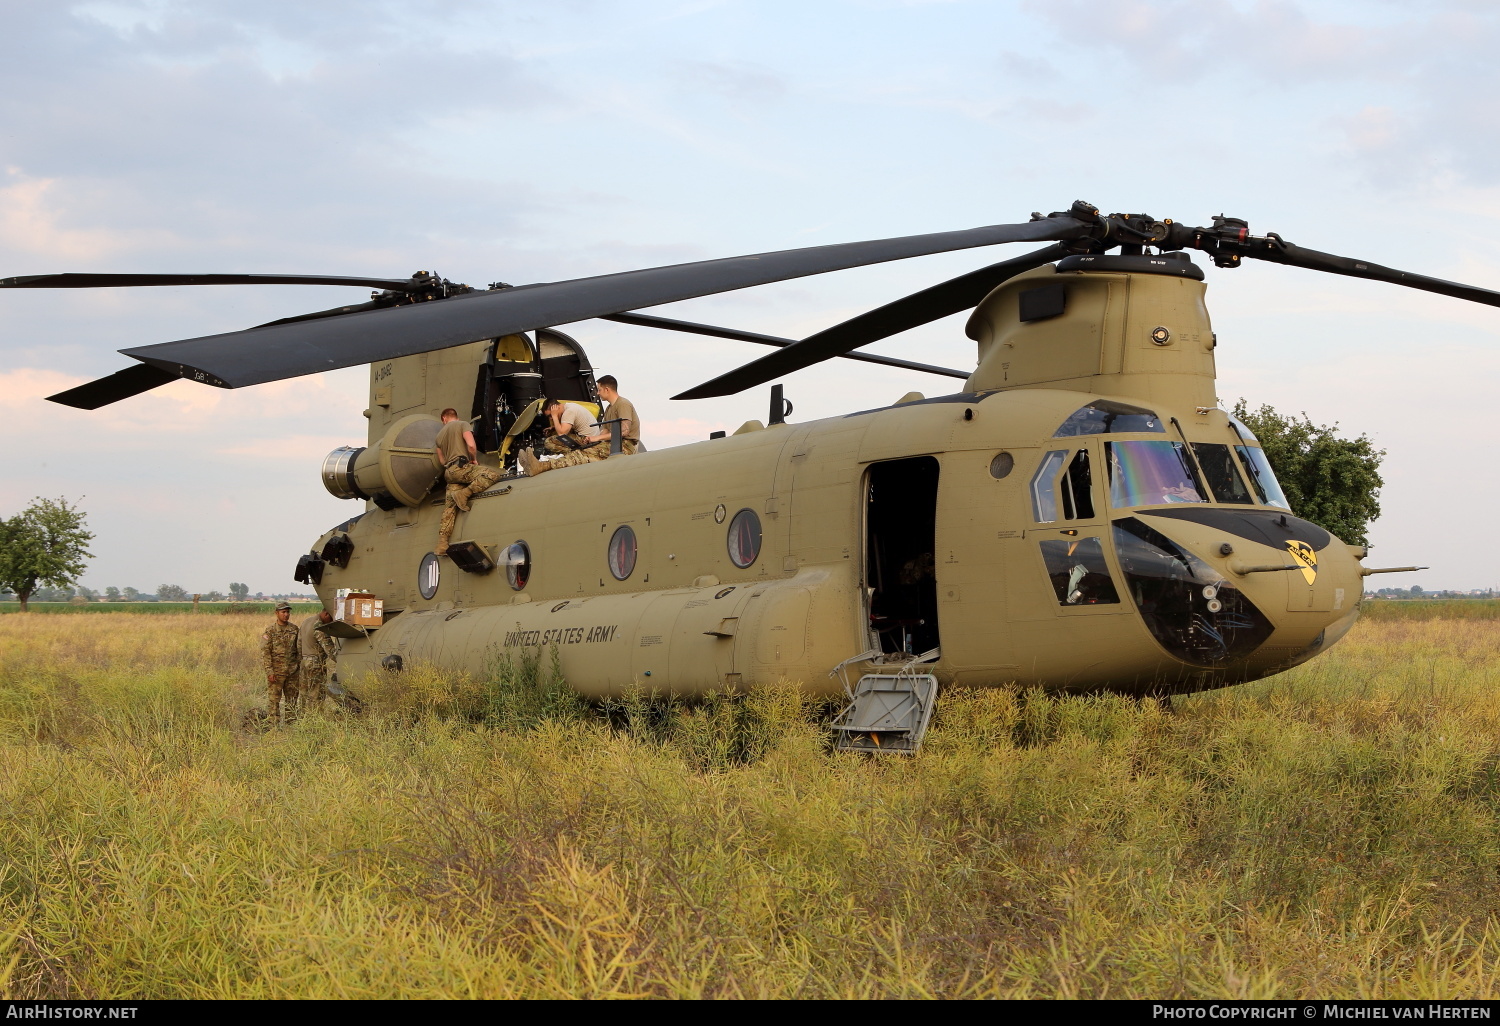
<point x="1079" y="516"/>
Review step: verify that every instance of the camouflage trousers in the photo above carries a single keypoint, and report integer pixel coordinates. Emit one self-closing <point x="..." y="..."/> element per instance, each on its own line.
<point x="281" y="697"/>
<point x="473" y="476"/>
<point x="312" y="684"/>
<point x="575" y="457"/>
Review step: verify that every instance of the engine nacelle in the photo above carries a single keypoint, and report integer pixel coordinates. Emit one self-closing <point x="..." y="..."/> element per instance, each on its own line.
<point x="396" y="471"/>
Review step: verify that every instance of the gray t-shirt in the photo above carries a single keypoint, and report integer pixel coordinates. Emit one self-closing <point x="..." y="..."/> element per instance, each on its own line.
<point x="581" y="420"/>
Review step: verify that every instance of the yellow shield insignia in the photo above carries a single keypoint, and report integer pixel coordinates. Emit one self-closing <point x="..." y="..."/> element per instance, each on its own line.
<point x="1306" y="558"/>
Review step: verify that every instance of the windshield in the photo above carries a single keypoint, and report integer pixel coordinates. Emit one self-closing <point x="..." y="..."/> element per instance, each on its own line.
<point x="1242" y="430"/>
<point x="1262" y="477"/>
<point x="1151" y="474"/>
<point x="1218" y="468"/>
<point x="1105" y="417"/>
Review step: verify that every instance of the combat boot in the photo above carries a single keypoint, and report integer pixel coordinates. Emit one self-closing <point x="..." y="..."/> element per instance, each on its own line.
<point x="461" y="498"/>
<point x="531" y="464"/>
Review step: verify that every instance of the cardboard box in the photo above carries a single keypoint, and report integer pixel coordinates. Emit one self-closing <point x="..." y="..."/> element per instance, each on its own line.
<point x="361" y="608"/>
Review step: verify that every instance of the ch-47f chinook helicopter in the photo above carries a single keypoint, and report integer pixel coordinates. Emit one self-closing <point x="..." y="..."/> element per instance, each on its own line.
<point x="1078" y="516"/>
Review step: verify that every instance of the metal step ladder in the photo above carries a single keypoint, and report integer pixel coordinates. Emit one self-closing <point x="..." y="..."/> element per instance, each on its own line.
<point x="887" y="712"/>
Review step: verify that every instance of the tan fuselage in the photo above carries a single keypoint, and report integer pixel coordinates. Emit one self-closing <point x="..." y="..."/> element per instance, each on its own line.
<point x="688" y="620"/>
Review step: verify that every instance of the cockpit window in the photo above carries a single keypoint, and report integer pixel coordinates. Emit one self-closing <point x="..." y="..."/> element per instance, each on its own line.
<point x="1244" y="432"/>
<point x="1262" y="476"/>
<point x="1043" y="494"/>
<point x="1079" y="574"/>
<point x="1151" y="474"/>
<point x="1220" y="472"/>
<point x="1105" y="417"/>
<point x="1075" y="486"/>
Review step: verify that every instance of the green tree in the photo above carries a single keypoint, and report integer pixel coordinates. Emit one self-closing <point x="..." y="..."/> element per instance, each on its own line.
<point x="111" y="594"/>
<point x="239" y="592"/>
<point x="131" y="594"/>
<point x="1332" y="481"/>
<point x="43" y="545"/>
<point x="171" y="593"/>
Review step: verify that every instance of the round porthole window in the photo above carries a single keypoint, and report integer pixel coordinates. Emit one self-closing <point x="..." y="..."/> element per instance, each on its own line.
<point x="744" y="538"/>
<point x="1002" y="465"/>
<point x="429" y="574"/>
<point x="622" y="552"/>
<point x="517" y="560"/>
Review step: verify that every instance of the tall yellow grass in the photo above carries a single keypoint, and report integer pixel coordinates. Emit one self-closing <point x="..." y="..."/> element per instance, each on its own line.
<point x="1331" y="832"/>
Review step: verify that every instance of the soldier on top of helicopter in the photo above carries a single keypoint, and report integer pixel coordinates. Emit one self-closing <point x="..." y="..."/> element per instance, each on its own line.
<point x="455" y="452"/>
<point x="586" y="442"/>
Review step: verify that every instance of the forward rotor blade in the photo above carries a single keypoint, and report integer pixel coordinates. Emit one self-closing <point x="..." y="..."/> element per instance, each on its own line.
<point x="101" y="281"/>
<point x="692" y="327"/>
<point x="911" y="311"/>
<point x="256" y="355"/>
<point x="120" y="385"/>
<point x="1278" y="251"/>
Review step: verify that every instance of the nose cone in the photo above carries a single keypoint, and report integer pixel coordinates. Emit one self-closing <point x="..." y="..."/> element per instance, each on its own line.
<point x="1202" y="579"/>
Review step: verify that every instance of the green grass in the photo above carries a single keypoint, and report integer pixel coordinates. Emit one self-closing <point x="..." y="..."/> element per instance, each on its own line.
<point x="265" y="608"/>
<point x="1431" y="609"/>
<point x="1332" y="832"/>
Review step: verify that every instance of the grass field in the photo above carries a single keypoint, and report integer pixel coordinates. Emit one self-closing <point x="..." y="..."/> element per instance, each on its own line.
<point x="140" y="608"/>
<point x="1332" y="832"/>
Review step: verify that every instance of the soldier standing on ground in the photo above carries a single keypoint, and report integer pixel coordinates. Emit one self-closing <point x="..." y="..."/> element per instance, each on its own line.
<point x="317" y="648"/>
<point x="454" y="451"/>
<point x="279" y="658"/>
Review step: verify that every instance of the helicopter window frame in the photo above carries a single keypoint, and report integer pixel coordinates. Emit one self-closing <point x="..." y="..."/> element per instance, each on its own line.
<point x="1079" y="572"/>
<point x="1063" y="488"/>
<point x="1107" y="417"/>
<point x="744" y="531"/>
<point x="622" y="563"/>
<point x="1129" y="462"/>
<point x="1213" y="463"/>
<point x="518" y="564"/>
<point x="1043" y="486"/>
<point x="1272" y="494"/>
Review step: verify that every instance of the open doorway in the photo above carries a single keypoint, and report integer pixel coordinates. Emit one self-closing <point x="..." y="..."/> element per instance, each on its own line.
<point x="900" y="547"/>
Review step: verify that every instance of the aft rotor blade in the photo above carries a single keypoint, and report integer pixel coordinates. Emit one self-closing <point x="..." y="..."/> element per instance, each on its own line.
<point x="912" y="311"/>
<point x="256" y="355"/>
<point x="1277" y="251"/>
<point x="104" y="281"/>
<point x="692" y="327"/>
<point x="119" y="385"/>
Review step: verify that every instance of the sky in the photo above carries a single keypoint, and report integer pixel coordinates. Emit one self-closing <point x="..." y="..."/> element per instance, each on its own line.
<point x="541" y="141"/>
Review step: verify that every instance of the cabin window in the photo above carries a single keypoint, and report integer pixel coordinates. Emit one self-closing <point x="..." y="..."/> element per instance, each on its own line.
<point x="1262" y="476"/>
<point x="429" y="575"/>
<point x="1078" y="572"/>
<point x="622" y="552"/>
<point x="1074" y="486"/>
<point x="744" y="538"/>
<point x="1244" y="432"/>
<point x="1107" y="418"/>
<point x="1220" y="473"/>
<point x="518" y="564"/>
<point x="1151" y="474"/>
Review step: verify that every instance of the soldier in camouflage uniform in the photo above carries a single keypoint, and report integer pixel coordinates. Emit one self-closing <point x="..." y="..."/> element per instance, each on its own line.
<point x="454" y="452"/>
<point x="279" y="657"/>
<point x="317" y="648"/>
